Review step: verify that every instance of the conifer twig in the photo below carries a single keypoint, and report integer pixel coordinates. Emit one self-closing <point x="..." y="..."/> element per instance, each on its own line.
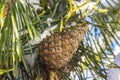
<point x="7" y="8"/>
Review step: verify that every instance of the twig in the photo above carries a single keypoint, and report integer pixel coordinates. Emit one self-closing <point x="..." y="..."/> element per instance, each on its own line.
<point x="7" y="8"/>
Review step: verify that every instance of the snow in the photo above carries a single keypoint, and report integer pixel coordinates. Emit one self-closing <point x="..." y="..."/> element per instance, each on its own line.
<point x="30" y="58"/>
<point x="86" y="9"/>
<point x="35" y="1"/>
<point x="114" y="73"/>
<point x="111" y="4"/>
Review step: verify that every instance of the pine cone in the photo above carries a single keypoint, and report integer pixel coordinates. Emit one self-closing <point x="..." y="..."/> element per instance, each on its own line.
<point x="57" y="50"/>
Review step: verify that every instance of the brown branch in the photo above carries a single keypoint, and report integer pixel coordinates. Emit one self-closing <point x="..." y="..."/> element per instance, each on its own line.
<point x="7" y="8"/>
